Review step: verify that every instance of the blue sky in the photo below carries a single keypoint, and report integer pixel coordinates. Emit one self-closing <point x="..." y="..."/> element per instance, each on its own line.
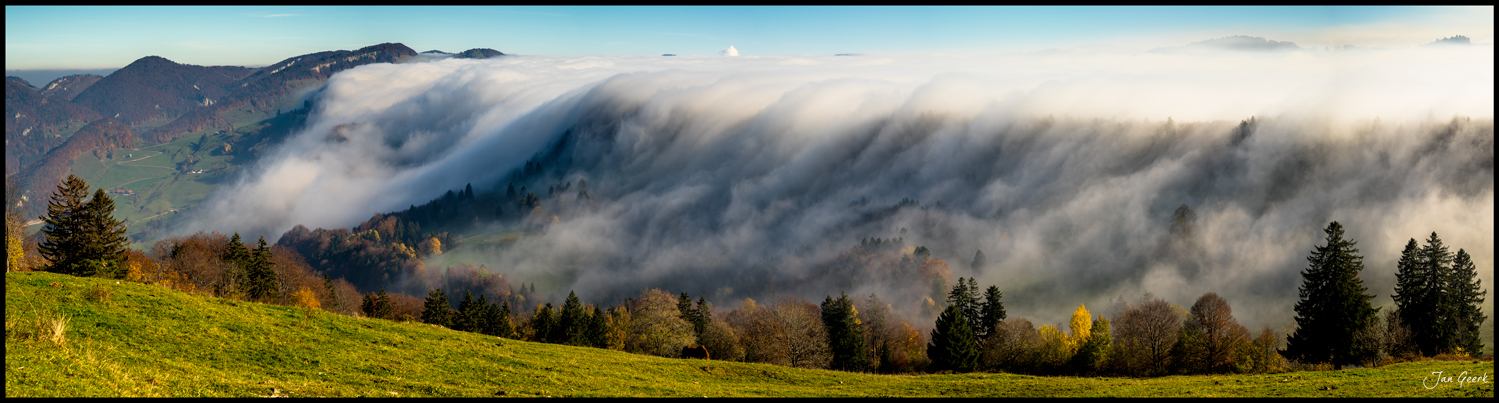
<point x="108" y="37"/>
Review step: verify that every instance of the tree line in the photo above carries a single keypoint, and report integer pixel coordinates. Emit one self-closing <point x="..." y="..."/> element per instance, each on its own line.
<point x="1437" y="297"/>
<point x="1150" y="337"/>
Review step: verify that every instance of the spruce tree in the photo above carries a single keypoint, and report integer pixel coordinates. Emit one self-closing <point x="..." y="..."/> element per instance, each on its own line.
<point x="542" y="322"/>
<point x="104" y="237"/>
<point x="845" y="333"/>
<point x="332" y="293"/>
<point x="953" y="346"/>
<point x="503" y="326"/>
<point x="1466" y="298"/>
<point x="481" y="315"/>
<point x="260" y="273"/>
<point x="571" y="326"/>
<point x="993" y="312"/>
<point x="964" y="295"/>
<point x="436" y="310"/>
<point x="973" y="311"/>
<point x="598" y="329"/>
<point x="82" y="238"/>
<point x="64" y="226"/>
<point x="1435" y="336"/>
<point x="684" y="306"/>
<point x="1411" y="287"/>
<point x="368" y="305"/>
<point x="703" y="317"/>
<point x="238" y="257"/>
<point x="468" y="312"/>
<point x="1333" y="307"/>
<point x="383" y="310"/>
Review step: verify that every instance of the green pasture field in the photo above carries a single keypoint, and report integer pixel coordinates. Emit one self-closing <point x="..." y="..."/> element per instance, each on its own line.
<point x="129" y="339"/>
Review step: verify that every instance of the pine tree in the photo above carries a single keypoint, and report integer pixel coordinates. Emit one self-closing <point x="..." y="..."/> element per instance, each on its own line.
<point x="684" y="305"/>
<point x="703" y="317"/>
<point x="260" y="273"/>
<point x="238" y="257"/>
<point x="67" y="231"/>
<point x="993" y="312"/>
<point x="383" y="310"/>
<point x="953" y="346"/>
<point x="368" y="305"/>
<point x="1466" y="298"/>
<point x="1411" y="288"/>
<point x="481" y="316"/>
<point x="1434" y="335"/>
<point x="436" y="310"/>
<point x="467" y="319"/>
<point x="1333" y="306"/>
<point x="571" y="326"/>
<point x="503" y="326"/>
<point x="979" y="261"/>
<point x="598" y="329"/>
<point x="543" y="323"/>
<point x="964" y="295"/>
<point x="845" y="333"/>
<point x="105" y="240"/>
<point x="333" y="306"/>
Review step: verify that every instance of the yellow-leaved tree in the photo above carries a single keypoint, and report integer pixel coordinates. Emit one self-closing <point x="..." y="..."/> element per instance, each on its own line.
<point x="432" y="247"/>
<point x="306" y="299"/>
<point x="1081" y="327"/>
<point x="1054" y="352"/>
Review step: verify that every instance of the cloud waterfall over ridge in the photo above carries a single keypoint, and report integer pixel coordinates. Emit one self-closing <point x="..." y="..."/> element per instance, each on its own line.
<point x="742" y="177"/>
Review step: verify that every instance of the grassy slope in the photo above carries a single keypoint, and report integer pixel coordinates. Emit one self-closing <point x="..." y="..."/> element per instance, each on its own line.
<point x="148" y="341"/>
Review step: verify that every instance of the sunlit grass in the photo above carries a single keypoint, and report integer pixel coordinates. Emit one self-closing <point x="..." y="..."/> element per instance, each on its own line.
<point x="143" y="340"/>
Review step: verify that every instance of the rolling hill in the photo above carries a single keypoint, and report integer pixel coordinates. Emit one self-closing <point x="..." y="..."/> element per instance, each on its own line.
<point x="120" y="338"/>
<point x="36" y="122"/>
<point x="159" y="102"/>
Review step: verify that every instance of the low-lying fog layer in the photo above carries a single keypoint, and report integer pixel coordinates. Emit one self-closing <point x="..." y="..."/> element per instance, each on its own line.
<point x="736" y="177"/>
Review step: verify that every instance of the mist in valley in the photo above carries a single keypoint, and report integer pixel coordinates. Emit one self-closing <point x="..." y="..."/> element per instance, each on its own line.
<point x="748" y="176"/>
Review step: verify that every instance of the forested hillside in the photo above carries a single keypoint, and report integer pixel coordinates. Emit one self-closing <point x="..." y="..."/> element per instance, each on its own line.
<point x="35" y="123"/>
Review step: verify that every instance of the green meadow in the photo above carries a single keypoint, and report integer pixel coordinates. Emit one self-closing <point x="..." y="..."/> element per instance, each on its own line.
<point x="72" y="336"/>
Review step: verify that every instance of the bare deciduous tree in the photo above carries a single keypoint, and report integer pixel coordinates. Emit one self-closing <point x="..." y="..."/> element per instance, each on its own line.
<point x="1143" y="336"/>
<point x="1221" y="335"/>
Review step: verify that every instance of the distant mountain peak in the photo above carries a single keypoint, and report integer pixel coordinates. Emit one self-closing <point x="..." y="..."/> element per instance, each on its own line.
<point x="394" y="48"/>
<point x="19" y="80"/>
<point x="436" y="52"/>
<point x="1233" y="43"/>
<point x="478" y="53"/>
<point x="1455" y="40"/>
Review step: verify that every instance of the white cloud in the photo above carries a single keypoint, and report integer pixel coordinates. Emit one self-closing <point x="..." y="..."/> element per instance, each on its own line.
<point x="1059" y="166"/>
<point x="729" y="51"/>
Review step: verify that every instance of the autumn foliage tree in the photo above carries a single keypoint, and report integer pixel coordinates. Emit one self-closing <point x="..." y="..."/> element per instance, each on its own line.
<point x="657" y="325"/>
<point x="1216" y="338"/>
